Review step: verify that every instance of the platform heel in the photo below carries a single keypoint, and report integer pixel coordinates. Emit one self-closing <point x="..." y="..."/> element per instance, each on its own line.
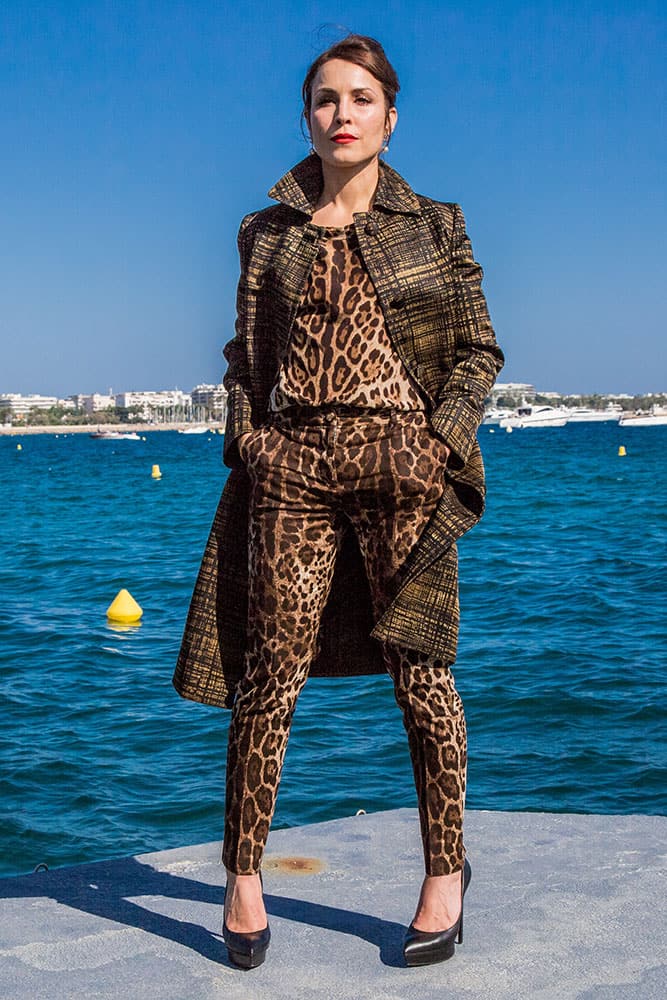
<point x="426" y="947"/>
<point x="246" y="951"/>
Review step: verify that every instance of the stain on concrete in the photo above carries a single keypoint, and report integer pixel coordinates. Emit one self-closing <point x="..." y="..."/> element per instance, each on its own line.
<point x="293" y="865"/>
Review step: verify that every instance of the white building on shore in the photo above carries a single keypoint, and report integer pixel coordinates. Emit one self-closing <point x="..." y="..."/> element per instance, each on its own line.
<point x="213" y="398"/>
<point x="164" y="406"/>
<point x="93" y="402"/>
<point x="516" y="391"/>
<point x="20" y="405"/>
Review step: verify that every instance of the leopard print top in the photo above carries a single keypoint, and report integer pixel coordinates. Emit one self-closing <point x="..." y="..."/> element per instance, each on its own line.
<point x="339" y="350"/>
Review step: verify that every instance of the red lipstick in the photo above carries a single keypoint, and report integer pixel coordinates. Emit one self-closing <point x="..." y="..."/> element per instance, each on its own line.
<point x="344" y="137"/>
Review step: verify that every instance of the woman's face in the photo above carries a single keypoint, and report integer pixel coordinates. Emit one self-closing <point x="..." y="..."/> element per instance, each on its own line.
<point x="348" y="119"/>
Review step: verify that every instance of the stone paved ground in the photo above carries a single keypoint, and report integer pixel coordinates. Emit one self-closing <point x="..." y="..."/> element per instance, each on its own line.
<point x="560" y="906"/>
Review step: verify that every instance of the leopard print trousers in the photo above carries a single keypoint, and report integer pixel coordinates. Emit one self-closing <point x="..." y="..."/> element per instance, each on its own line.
<point x="312" y="473"/>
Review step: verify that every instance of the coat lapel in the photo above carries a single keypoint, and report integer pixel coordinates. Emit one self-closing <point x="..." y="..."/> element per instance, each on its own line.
<point x="290" y="249"/>
<point x="300" y="188"/>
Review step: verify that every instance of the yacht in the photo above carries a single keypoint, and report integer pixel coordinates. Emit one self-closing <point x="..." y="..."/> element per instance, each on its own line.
<point x="532" y="415"/>
<point x="577" y="414"/>
<point x="655" y="417"/>
<point x="115" y="436"/>
<point x="495" y="414"/>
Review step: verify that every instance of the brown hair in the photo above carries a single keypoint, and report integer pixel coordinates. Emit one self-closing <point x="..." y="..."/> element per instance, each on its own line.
<point x="363" y="51"/>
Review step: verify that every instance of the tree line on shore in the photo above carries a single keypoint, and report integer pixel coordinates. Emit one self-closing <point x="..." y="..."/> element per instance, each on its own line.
<point x="61" y="416"/>
<point x="596" y="401"/>
<point x="56" y="416"/>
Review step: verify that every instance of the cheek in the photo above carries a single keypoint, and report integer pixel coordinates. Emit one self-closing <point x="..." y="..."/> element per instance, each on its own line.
<point x="375" y="121"/>
<point x="321" y="119"/>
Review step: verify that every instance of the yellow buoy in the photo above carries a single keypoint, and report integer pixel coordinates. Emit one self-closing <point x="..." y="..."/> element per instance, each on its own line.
<point x="155" y="472"/>
<point x="621" y="451"/>
<point x="19" y="447"/>
<point x="124" y="608"/>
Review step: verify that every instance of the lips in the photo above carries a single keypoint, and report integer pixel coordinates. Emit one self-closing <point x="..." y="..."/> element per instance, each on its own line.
<point x="344" y="137"/>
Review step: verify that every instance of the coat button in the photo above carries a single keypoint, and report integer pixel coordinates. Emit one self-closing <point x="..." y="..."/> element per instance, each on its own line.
<point x="371" y="228"/>
<point x="397" y="303"/>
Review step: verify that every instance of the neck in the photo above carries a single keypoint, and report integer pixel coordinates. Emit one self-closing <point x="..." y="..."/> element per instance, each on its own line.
<point x="347" y="190"/>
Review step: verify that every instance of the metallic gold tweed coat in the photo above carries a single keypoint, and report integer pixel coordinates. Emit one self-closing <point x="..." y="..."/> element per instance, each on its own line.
<point x="420" y="261"/>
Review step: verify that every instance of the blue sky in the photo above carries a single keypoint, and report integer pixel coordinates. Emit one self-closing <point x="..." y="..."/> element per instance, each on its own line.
<point x="136" y="135"/>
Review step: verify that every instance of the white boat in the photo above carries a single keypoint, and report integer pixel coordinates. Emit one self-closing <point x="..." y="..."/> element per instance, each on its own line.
<point x="495" y="414"/>
<point x="578" y="414"/>
<point x="655" y="417"/>
<point x="116" y="436"/>
<point x="195" y="429"/>
<point x="531" y="415"/>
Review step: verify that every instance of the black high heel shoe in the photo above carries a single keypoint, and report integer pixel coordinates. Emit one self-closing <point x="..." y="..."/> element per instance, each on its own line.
<point x="247" y="951"/>
<point x="426" y="948"/>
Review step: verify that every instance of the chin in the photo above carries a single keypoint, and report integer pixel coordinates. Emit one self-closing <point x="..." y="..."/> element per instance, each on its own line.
<point x="345" y="157"/>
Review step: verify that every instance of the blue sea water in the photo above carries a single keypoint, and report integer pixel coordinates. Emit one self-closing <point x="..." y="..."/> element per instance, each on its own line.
<point x="561" y="661"/>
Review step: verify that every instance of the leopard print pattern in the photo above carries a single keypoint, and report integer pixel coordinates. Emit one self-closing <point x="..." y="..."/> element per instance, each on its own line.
<point x="339" y="350"/>
<point x="435" y="722"/>
<point x="311" y="478"/>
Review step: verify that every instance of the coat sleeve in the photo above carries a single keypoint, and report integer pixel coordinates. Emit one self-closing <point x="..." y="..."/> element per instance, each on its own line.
<point x="237" y="377"/>
<point x="478" y="358"/>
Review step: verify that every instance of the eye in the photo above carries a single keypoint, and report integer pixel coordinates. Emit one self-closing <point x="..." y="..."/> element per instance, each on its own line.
<point x="321" y="101"/>
<point x="363" y="100"/>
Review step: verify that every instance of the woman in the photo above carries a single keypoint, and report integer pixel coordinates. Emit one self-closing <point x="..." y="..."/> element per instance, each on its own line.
<point x="362" y="357"/>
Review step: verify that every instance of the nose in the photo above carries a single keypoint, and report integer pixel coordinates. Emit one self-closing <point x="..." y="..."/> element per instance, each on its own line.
<point x="343" y="112"/>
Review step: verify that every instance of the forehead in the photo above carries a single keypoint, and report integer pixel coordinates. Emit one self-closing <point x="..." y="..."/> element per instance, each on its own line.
<point x="338" y="74"/>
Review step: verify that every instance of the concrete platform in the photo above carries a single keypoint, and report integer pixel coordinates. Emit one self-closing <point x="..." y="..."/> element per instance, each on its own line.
<point x="560" y="906"/>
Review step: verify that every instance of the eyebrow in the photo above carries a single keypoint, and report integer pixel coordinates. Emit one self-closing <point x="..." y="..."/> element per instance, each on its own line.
<point x="357" y="90"/>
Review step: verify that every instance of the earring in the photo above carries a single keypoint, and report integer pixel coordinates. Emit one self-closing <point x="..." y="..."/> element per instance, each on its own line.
<point x="386" y="143"/>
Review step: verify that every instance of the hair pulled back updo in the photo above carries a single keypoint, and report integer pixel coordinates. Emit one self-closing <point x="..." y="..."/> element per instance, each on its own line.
<point x="363" y="51"/>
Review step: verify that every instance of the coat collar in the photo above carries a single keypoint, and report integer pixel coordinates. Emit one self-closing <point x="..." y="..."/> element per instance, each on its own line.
<point x="300" y="188"/>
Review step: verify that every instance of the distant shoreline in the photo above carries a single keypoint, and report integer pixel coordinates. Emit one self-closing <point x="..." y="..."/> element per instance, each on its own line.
<point x="96" y="428"/>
